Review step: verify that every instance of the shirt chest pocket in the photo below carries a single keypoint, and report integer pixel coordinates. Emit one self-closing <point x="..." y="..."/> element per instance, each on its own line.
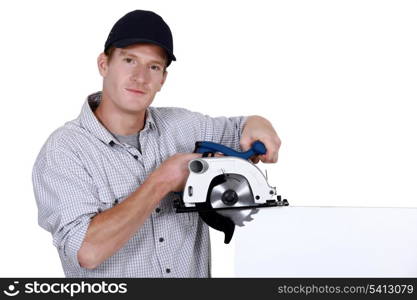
<point x="189" y="219"/>
<point x="110" y="195"/>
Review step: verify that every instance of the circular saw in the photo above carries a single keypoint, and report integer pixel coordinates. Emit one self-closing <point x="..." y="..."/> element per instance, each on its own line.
<point x="226" y="190"/>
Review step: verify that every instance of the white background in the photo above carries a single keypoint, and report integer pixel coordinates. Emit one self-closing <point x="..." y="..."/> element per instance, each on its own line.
<point x="336" y="78"/>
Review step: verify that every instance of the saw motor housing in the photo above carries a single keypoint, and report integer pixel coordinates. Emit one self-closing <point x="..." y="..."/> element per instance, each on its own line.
<point x="203" y="170"/>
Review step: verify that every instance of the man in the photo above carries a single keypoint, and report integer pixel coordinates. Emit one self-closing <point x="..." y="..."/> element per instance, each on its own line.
<point x="104" y="181"/>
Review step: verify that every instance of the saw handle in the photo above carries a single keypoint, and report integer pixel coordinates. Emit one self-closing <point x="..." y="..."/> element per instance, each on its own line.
<point x="257" y="148"/>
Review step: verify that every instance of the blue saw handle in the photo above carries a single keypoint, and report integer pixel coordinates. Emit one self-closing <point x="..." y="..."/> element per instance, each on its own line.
<point x="258" y="148"/>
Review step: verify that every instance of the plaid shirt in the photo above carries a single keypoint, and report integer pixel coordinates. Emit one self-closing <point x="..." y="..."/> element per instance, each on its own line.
<point x="83" y="170"/>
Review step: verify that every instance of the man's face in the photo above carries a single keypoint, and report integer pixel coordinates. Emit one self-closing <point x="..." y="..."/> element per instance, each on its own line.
<point x="133" y="76"/>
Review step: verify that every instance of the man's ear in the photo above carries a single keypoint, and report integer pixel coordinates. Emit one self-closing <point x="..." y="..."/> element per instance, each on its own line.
<point x="103" y="64"/>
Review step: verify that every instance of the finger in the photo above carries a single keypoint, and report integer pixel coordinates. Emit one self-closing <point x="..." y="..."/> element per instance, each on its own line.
<point x="278" y="142"/>
<point x="270" y="147"/>
<point x="272" y="144"/>
<point x="267" y="157"/>
<point x="262" y="158"/>
<point x="245" y="143"/>
<point x="255" y="159"/>
<point x="278" y="146"/>
<point x="274" y="157"/>
<point x="272" y="154"/>
<point x="191" y="156"/>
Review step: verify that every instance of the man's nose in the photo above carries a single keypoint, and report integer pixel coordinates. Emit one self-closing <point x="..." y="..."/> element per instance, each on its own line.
<point x="140" y="74"/>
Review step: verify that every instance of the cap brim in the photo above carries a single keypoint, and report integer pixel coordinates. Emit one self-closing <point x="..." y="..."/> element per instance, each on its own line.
<point x="128" y="42"/>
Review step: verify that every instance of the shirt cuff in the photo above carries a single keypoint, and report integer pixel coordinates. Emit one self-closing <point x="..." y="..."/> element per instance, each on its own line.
<point x="75" y="239"/>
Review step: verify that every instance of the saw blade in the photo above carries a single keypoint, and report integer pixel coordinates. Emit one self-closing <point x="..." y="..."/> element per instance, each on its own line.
<point x="234" y="191"/>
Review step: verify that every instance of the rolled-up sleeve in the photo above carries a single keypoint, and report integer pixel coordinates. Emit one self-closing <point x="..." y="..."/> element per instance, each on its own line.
<point x="66" y="198"/>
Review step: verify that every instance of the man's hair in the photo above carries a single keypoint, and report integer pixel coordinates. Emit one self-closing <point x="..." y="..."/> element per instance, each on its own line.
<point x="110" y="52"/>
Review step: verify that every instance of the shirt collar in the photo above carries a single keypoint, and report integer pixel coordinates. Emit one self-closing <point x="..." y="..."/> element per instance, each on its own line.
<point x="90" y="122"/>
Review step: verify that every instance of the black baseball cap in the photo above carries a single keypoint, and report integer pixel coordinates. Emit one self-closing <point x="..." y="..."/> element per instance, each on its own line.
<point x="141" y="26"/>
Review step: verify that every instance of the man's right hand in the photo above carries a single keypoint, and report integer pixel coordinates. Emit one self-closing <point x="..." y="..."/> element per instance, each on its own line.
<point x="110" y="230"/>
<point x="174" y="170"/>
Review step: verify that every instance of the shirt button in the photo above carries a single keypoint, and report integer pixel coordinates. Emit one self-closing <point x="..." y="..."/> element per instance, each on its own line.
<point x="157" y="209"/>
<point x="161" y="239"/>
<point x="168" y="270"/>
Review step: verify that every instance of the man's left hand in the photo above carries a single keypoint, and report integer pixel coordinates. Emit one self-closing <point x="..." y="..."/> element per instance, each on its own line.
<point x="258" y="128"/>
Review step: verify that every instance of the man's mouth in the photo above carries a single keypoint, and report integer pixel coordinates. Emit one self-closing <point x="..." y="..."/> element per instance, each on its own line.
<point x="135" y="91"/>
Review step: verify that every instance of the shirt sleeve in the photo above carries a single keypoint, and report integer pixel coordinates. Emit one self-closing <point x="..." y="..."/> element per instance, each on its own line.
<point x="66" y="198"/>
<point x="225" y="131"/>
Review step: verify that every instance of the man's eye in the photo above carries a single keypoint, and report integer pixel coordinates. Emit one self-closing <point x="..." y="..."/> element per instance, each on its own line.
<point x="155" y="67"/>
<point x="128" y="60"/>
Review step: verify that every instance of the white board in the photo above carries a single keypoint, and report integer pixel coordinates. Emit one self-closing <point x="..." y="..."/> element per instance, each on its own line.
<point x="328" y="242"/>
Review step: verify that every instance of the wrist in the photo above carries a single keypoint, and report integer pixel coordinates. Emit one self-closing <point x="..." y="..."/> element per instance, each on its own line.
<point x="160" y="182"/>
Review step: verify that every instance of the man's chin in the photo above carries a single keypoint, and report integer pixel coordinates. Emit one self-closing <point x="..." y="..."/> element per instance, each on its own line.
<point x="134" y="110"/>
<point x="134" y="106"/>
